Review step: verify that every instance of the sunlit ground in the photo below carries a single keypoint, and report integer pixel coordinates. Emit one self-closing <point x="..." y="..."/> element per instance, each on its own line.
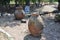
<point x="19" y="31"/>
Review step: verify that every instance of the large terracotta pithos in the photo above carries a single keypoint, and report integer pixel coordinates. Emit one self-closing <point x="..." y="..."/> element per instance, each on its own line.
<point x="35" y="25"/>
<point x="19" y="13"/>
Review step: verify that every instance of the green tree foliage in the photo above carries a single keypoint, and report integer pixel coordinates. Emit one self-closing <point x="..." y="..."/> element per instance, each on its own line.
<point x="4" y="2"/>
<point x="34" y="1"/>
<point x="21" y="1"/>
<point x="39" y="1"/>
<point x="56" y="0"/>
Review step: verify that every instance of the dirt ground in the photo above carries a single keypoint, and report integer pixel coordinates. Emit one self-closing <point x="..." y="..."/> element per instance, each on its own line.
<point x="19" y="31"/>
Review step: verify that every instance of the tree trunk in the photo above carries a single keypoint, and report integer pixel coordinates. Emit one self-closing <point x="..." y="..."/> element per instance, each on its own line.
<point x="59" y="5"/>
<point x="16" y="3"/>
<point x="28" y="2"/>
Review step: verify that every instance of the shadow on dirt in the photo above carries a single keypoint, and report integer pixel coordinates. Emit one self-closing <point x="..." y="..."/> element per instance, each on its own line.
<point x="30" y="37"/>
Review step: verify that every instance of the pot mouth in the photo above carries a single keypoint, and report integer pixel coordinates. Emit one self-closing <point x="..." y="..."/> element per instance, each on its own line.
<point x="19" y="8"/>
<point x="35" y="14"/>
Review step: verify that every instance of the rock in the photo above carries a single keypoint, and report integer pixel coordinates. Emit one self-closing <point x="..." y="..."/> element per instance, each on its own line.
<point x="48" y="8"/>
<point x="3" y="36"/>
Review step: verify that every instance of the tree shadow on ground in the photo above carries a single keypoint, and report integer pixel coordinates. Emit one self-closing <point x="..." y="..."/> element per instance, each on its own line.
<point x="30" y="37"/>
<point x="9" y="21"/>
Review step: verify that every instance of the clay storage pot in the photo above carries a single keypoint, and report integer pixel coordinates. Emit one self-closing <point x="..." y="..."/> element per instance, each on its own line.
<point x="35" y="26"/>
<point x="19" y="13"/>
